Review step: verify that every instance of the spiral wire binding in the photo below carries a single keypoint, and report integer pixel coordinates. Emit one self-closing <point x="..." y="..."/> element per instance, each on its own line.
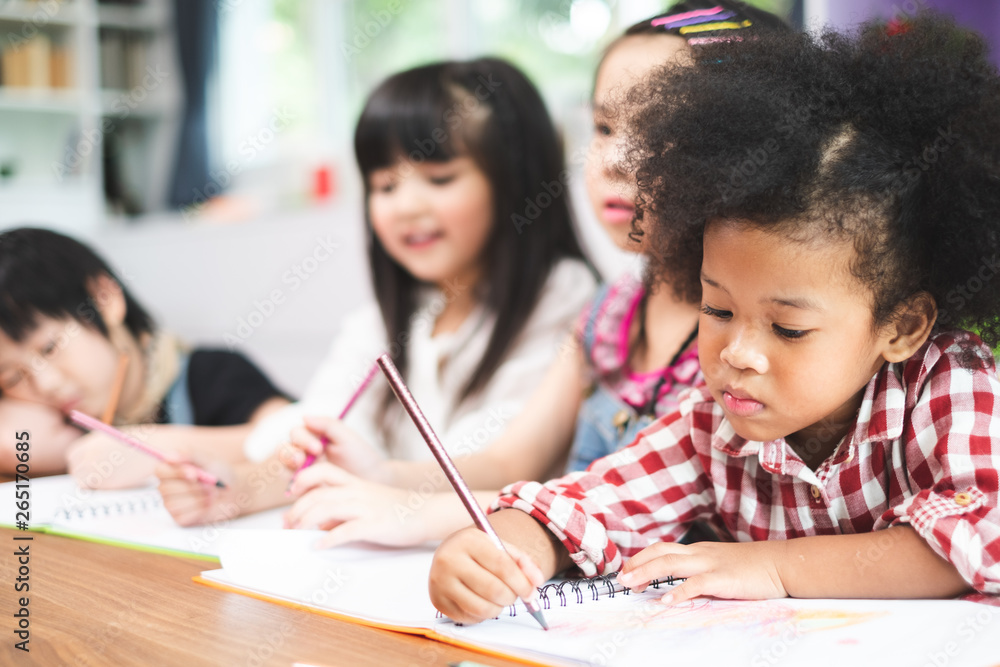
<point x="576" y="586"/>
<point x="143" y="504"/>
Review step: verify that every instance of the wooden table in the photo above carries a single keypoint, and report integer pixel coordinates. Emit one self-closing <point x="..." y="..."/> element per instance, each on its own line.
<point x="93" y="604"/>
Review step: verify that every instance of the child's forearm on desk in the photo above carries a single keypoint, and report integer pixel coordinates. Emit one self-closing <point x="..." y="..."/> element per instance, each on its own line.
<point x="892" y="563"/>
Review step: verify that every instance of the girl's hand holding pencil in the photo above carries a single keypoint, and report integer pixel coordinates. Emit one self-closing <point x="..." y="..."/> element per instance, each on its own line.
<point x="189" y="501"/>
<point x="317" y="450"/>
<point x="105" y="458"/>
<point x="129" y="449"/>
<point x="471" y="580"/>
<point x="329" y="439"/>
<point x="98" y="461"/>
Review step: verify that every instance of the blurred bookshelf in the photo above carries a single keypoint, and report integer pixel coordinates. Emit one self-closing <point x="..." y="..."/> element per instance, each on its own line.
<point x="90" y="106"/>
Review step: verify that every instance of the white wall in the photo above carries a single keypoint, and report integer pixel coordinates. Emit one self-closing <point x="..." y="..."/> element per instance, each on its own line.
<point x="202" y="280"/>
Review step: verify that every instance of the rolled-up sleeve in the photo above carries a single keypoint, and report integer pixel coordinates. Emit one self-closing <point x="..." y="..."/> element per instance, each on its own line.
<point x="648" y="492"/>
<point x="952" y="464"/>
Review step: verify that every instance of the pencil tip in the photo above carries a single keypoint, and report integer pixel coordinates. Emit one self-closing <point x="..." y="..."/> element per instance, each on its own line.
<point x="219" y="484"/>
<point x="541" y="619"/>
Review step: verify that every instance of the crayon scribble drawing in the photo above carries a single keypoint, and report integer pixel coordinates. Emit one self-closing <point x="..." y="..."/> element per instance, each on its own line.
<point x="759" y="619"/>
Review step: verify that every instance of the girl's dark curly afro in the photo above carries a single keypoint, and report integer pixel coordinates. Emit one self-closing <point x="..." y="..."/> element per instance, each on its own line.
<point x="888" y="137"/>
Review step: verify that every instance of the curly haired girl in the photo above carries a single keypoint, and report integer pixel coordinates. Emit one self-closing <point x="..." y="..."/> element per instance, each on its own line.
<point x="842" y="214"/>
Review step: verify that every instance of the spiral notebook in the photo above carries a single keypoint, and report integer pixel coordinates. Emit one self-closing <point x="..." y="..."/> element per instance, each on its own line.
<point x="597" y="622"/>
<point x="132" y="518"/>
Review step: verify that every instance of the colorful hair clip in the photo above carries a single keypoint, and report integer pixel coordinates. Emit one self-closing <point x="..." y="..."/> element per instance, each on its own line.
<point x="679" y="23"/>
<point x="723" y="25"/>
<point x="686" y="15"/>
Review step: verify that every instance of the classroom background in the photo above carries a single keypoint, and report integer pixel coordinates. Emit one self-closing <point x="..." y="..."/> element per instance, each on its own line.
<point x="204" y="147"/>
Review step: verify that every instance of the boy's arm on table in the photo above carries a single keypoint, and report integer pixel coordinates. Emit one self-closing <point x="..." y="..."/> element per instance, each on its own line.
<point x="49" y="437"/>
<point x="892" y="563"/>
<point x="471" y="581"/>
<point x="97" y="460"/>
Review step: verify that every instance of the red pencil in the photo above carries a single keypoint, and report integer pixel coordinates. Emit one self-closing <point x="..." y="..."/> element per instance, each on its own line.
<point x="87" y="421"/>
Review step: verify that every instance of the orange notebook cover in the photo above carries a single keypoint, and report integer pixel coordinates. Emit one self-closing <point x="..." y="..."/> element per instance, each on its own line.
<point x="593" y="621"/>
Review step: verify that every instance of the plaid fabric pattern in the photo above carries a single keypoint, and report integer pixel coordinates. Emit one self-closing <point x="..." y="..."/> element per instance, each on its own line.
<point x="925" y="451"/>
<point x="608" y="356"/>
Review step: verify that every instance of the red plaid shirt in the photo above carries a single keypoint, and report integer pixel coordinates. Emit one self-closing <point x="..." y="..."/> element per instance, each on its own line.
<point x="925" y="450"/>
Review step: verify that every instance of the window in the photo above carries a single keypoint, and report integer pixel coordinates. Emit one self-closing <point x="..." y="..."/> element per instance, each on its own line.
<point x="293" y="74"/>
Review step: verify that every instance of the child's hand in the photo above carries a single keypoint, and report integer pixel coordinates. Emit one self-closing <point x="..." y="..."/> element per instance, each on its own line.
<point x="98" y="461"/>
<point x="471" y="580"/>
<point x="744" y="571"/>
<point x="250" y="487"/>
<point x="50" y="436"/>
<point x="191" y="502"/>
<point x="353" y="509"/>
<point x="345" y="448"/>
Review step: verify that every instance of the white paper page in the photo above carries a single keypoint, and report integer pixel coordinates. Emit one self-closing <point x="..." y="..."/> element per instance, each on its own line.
<point x="637" y="629"/>
<point x="133" y="516"/>
<point x="59" y="495"/>
<point x="390" y="587"/>
<point x="378" y="584"/>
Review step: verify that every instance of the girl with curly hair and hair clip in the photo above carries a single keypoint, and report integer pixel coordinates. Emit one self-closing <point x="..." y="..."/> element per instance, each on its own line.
<point x="828" y="197"/>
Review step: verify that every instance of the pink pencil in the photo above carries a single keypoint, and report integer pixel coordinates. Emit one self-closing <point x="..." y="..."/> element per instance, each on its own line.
<point x="89" y="422"/>
<point x="311" y="458"/>
<point x="448" y="466"/>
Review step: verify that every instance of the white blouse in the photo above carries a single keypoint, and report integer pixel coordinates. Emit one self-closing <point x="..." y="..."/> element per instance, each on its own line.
<point x="439" y="366"/>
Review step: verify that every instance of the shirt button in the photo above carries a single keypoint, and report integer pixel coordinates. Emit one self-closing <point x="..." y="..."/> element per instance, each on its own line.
<point x="816" y="493"/>
<point x="962" y="499"/>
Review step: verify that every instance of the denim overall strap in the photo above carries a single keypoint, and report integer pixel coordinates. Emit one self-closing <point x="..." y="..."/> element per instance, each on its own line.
<point x="605" y="421"/>
<point x="178" y="399"/>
